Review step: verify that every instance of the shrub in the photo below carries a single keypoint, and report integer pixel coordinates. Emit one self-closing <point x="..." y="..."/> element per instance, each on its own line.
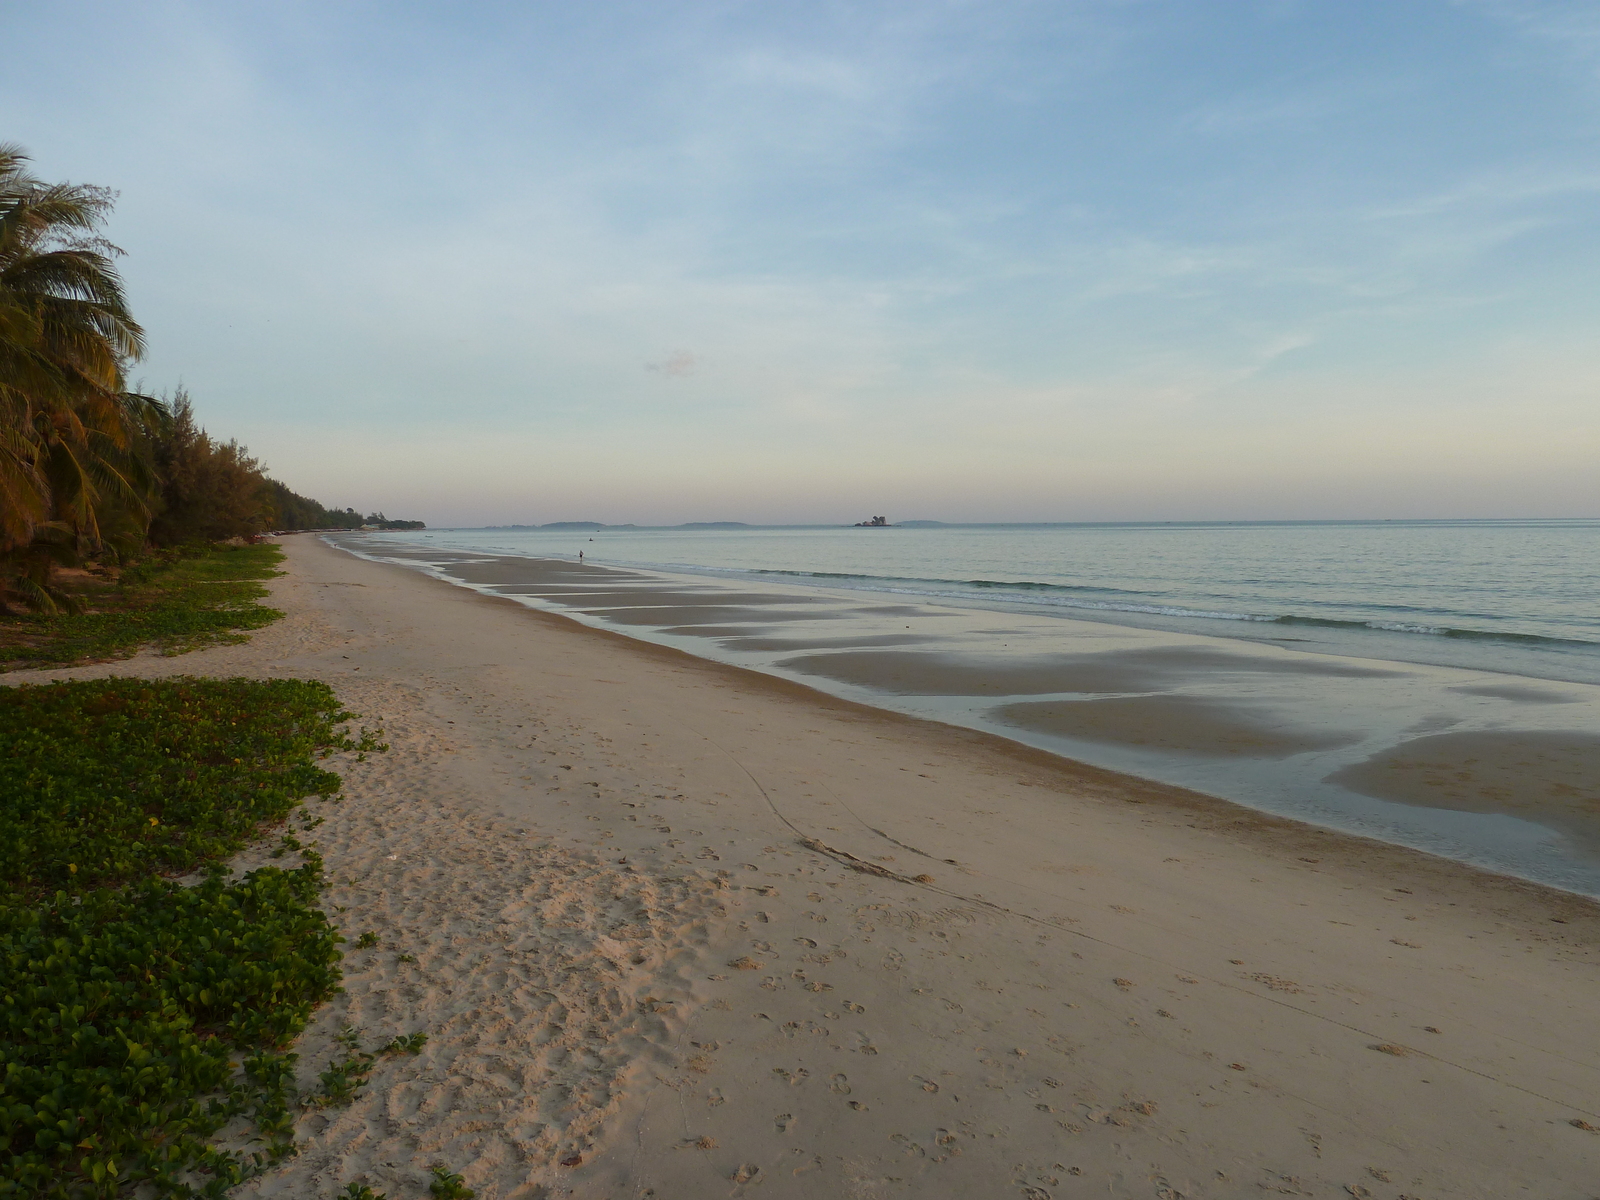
<point x="178" y="600"/>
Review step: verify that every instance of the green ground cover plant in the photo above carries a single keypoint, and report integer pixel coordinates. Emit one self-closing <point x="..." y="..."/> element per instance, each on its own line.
<point x="177" y="600"/>
<point x="139" y="1016"/>
<point x="107" y="781"/>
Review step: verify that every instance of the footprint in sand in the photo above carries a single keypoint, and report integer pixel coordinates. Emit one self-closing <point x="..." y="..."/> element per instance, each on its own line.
<point x="783" y="1122"/>
<point x="839" y="1084"/>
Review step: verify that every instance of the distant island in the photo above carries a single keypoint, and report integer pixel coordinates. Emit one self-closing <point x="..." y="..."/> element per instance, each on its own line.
<point x="594" y="526"/>
<point x="875" y="523"/>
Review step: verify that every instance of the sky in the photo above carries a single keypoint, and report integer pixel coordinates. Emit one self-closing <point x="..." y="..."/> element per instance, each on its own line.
<point x="491" y="263"/>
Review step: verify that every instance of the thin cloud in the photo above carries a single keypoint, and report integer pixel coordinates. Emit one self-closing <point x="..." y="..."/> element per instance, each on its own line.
<point x="678" y="365"/>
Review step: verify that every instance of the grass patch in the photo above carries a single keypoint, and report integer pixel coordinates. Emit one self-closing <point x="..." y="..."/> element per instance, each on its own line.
<point x="138" y="1016"/>
<point x="176" y="600"/>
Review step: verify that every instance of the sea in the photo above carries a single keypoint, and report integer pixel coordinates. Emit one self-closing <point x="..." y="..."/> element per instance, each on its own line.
<point x="1432" y="683"/>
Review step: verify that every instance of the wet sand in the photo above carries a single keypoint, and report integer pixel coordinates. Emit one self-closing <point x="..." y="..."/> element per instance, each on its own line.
<point x="704" y="614"/>
<point x="1548" y="776"/>
<point x="1176" y="723"/>
<point x="685" y="930"/>
<point x="934" y="674"/>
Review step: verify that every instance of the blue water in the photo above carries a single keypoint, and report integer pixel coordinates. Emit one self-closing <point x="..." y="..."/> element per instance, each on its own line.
<point x="1513" y="596"/>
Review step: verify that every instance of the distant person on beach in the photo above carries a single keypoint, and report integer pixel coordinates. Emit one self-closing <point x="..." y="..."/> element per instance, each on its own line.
<point x="580" y="555"/>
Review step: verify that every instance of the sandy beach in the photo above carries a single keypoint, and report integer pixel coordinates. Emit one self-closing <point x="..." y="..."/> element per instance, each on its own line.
<point x="681" y="930"/>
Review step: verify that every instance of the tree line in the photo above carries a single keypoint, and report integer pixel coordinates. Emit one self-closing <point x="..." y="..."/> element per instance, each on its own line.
<point x="91" y="469"/>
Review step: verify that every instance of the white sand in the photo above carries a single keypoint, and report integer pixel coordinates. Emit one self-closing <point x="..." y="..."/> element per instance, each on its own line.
<point x="700" y="930"/>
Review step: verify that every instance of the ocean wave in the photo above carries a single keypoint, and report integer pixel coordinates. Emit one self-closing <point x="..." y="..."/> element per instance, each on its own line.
<point x="1056" y="595"/>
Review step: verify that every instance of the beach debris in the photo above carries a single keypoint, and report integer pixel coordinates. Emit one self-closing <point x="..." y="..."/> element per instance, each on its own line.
<point x="1402" y="942"/>
<point x="1580" y="1123"/>
<point x="854" y="863"/>
<point x="745" y="963"/>
<point x="1393" y="1048"/>
<point x="1237" y="1067"/>
<point x="1124" y="984"/>
<point x="1430" y="1029"/>
<point x="746" y="1173"/>
<point x="705" y="1142"/>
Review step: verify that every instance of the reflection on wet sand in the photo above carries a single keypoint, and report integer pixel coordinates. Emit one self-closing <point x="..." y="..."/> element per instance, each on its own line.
<point x="1181" y="724"/>
<point x="694" y="614"/>
<point x="781" y="645"/>
<point x="536" y="571"/>
<point x="661" y="598"/>
<point x="1512" y="691"/>
<point x="715" y="631"/>
<point x="1145" y="670"/>
<point x="1550" y="777"/>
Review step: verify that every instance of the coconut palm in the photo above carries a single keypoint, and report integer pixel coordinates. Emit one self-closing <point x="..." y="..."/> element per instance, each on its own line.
<point x="69" y="428"/>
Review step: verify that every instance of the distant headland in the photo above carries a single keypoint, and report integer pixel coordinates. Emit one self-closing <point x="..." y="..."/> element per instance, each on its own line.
<point x="592" y="526"/>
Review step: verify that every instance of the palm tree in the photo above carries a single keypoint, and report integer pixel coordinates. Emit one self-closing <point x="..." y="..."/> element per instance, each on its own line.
<point x="70" y="431"/>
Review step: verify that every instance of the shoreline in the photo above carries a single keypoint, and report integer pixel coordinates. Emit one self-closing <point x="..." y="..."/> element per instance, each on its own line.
<point x="1050" y="768"/>
<point x="1400" y="632"/>
<point x="1324" y="739"/>
<point x="700" y="930"/>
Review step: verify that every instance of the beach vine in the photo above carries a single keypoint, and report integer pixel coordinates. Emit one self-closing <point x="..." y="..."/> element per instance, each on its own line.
<point x="143" y="1013"/>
